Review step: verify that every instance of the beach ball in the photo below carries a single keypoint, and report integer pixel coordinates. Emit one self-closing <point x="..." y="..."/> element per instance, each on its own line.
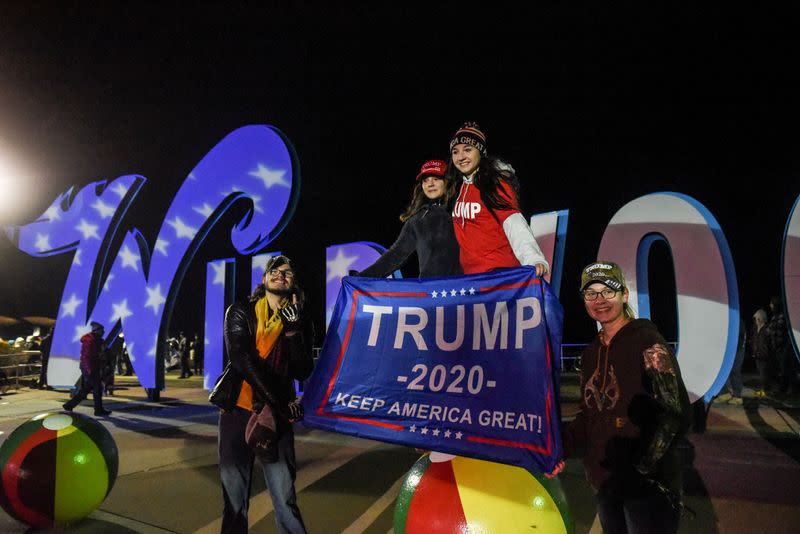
<point x="453" y="494"/>
<point x="56" y="468"/>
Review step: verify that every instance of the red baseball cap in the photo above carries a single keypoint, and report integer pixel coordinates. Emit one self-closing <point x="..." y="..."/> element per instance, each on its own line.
<point x="434" y="167"/>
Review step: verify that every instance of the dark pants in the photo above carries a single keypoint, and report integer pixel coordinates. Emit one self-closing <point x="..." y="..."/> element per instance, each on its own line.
<point x="735" y="378"/>
<point x="236" y="469"/>
<point x="763" y="374"/>
<point x="185" y="371"/>
<point x="647" y="513"/>
<point x="89" y="383"/>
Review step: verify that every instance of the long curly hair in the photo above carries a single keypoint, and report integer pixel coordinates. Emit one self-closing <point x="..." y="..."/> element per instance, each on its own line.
<point x="491" y="171"/>
<point x="419" y="200"/>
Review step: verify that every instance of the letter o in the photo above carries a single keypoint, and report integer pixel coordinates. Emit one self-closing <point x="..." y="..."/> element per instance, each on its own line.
<point x="705" y="280"/>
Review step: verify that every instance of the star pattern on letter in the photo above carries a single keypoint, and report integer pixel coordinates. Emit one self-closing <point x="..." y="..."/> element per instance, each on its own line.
<point x="181" y="229"/>
<point x="107" y="285"/>
<point x="80" y="331"/>
<point x="161" y="246"/>
<point x="205" y="210"/>
<point x="340" y="265"/>
<point x="103" y="209"/>
<point x="219" y="272"/>
<point x="120" y="189"/>
<point x="76" y="260"/>
<point x="129" y="258"/>
<point x="129" y="347"/>
<point x="68" y="308"/>
<point x="121" y="311"/>
<point x="268" y="177"/>
<point x="53" y="213"/>
<point x="154" y="298"/>
<point x="87" y="229"/>
<point x="42" y="242"/>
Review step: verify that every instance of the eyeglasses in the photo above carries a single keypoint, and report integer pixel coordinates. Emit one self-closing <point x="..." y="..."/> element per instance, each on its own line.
<point x="288" y="273"/>
<point x="588" y="294"/>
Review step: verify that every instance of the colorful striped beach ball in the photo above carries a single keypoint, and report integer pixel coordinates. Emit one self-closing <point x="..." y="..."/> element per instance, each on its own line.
<point x="459" y="495"/>
<point x="56" y="468"/>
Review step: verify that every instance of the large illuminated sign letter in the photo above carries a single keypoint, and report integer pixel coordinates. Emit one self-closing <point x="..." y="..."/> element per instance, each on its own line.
<point x="550" y="230"/>
<point x="791" y="274"/>
<point x="340" y="260"/>
<point x="705" y="280"/>
<point x="253" y="163"/>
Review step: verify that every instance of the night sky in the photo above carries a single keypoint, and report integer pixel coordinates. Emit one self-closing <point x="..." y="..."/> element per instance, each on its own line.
<point x="593" y="107"/>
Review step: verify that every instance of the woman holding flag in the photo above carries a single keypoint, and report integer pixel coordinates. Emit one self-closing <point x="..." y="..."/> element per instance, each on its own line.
<point x="428" y="229"/>
<point x="490" y="229"/>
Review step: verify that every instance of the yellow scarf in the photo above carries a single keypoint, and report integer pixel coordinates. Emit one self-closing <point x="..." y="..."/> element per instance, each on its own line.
<point x="269" y="327"/>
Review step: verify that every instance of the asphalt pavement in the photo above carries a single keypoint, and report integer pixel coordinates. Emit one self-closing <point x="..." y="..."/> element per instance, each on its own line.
<point x="745" y="476"/>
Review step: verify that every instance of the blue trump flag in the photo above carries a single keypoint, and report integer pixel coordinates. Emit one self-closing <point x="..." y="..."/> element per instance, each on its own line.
<point x="464" y="365"/>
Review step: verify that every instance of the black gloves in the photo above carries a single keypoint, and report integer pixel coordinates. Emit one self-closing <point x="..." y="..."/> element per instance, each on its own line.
<point x="290" y="316"/>
<point x="295" y="410"/>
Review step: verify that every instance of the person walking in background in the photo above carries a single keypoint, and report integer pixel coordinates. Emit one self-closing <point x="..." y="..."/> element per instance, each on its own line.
<point x="197" y="359"/>
<point x="780" y="349"/>
<point x="490" y="229"/>
<point x="91" y="370"/>
<point x="44" y="348"/>
<point x="734" y="385"/>
<point x="428" y="228"/>
<point x="183" y="347"/>
<point x="759" y="349"/>
<point x="633" y="414"/>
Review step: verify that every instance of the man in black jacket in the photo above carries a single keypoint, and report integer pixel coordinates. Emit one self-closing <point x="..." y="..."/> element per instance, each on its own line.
<point x="269" y="343"/>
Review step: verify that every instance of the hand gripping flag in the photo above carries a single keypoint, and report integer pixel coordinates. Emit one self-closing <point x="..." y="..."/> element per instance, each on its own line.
<point x="465" y="365"/>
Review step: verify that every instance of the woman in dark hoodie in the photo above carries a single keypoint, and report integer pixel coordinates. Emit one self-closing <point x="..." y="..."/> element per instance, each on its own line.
<point x="428" y="229"/>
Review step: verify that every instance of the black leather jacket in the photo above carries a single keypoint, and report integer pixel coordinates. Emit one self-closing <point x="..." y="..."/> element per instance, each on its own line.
<point x="272" y="378"/>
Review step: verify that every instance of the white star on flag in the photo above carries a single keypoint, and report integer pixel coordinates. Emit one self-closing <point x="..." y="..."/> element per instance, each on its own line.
<point x="87" y="229"/>
<point x="412" y="428"/>
<point x="463" y="291"/>
<point x="129" y="258"/>
<point x="103" y="209"/>
<point x="458" y="435"/>
<point x="340" y="265"/>
<point x="154" y="298"/>
<point x="219" y="273"/>
<point x="42" y="242"/>
<point x="205" y="210"/>
<point x="161" y="246"/>
<point x="447" y="433"/>
<point x="181" y="229"/>
<point x="452" y="292"/>
<point x="120" y="189"/>
<point x="80" y="331"/>
<point x="434" y="294"/>
<point x="443" y="292"/>
<point x="53" y="213"/>
<point x="268" y="177"/>
<point x="68" y="308"/>
<point x="472" y="291"/>
<point x="424" y="430"/>
<point x="435" y="431"/>
<point x="121" y="311"/>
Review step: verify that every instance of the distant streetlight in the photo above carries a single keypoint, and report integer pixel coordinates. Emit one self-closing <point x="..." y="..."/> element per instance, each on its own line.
<point x="13" y="189"/>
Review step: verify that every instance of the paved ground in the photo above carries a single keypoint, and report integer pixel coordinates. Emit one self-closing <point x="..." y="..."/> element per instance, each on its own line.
<point x="745" y="476"/>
